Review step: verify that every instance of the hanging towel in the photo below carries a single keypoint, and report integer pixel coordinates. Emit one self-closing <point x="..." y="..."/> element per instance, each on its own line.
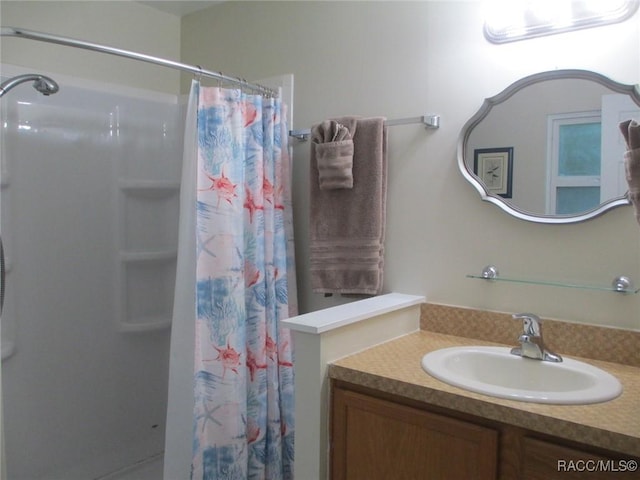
<point x="347" y="226"/>
<point x="334" y="155"/>
<point x="631" y="131"/>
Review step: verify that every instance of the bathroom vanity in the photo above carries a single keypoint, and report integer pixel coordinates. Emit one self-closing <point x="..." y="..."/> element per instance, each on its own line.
<point x="390" y="419"/>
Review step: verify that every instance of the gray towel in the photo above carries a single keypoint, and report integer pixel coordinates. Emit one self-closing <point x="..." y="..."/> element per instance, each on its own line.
<point x="347" y="226"/>
<point x="333" y="145"/>
<point x="631" y="131"/>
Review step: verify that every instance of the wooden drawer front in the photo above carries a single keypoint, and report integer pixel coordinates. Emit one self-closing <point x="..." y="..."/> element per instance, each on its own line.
<point x="377" y="439"/>
<point x="547" y="461"/>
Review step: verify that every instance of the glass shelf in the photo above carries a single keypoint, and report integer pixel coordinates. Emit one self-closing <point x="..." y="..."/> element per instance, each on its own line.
<point x="619" y="285"/>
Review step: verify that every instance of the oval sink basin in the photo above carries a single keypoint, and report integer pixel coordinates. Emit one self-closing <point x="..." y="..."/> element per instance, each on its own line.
<point x="496" y="372"/>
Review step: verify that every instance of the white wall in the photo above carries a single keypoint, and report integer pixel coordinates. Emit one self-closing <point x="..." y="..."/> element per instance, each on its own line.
<point x="122" y="24"/>
<point x="402" y="59"/>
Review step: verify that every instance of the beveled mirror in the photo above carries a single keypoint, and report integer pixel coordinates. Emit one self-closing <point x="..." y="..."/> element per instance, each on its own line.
<point x="548" y="149"/>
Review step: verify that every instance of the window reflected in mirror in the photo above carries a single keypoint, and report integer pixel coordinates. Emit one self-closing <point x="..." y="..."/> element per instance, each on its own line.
<point x="574" y="164"/>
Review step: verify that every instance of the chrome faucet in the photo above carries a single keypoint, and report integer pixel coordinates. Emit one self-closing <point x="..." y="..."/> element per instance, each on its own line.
<point x="531" y="341"/>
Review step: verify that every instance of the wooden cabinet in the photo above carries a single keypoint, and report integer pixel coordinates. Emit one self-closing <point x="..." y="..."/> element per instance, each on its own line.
<point x="381" y="436"/>
<point x="542" y="460"/>
<point x="378" y="439"/>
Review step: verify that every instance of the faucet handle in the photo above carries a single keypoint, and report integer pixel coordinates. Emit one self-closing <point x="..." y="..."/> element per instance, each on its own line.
<point x="531" y="323"/>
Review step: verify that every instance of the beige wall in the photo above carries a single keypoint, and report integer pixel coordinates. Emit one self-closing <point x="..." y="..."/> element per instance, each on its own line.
<point x="396" y="59"/>
<point x="403" y="59"/>
<point x="121" y="24"/>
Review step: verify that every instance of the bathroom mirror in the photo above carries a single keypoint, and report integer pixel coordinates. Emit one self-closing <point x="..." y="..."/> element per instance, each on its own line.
<point x="548" y="148"/>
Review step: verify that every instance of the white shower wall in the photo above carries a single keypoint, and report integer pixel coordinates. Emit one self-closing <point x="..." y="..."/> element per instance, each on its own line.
<point x="89" y="201"/>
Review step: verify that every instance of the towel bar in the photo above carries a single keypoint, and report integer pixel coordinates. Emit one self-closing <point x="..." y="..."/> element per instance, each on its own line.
<point x="429" y="121"/>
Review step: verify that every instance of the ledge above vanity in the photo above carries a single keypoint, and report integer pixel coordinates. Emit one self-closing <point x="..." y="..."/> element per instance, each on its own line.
<point x="350" y="313"/>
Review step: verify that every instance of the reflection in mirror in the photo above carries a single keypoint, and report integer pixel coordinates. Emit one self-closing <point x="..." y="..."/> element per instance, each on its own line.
<point x="548" y="149"/>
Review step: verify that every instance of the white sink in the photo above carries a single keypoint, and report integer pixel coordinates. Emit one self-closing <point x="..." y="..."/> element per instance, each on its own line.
<point x="496" y="372"/>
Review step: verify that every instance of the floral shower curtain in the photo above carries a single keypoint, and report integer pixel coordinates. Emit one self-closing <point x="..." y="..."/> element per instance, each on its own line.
<point x="243" y="412"/>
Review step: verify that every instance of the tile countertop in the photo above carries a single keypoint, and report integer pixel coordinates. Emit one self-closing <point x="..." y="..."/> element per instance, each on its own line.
<point x="394" y="367"/>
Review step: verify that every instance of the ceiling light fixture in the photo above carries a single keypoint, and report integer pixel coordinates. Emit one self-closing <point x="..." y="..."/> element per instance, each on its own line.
<point x="511" y="20"/>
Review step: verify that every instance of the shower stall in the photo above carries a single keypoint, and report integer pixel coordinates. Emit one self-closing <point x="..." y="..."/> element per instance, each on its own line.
<point x="89" y="197"/>
<point x="89" y="215"/>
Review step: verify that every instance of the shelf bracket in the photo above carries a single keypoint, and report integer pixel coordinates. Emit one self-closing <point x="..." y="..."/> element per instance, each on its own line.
<point x="622" y="284"/>
<point x="490" y="272"/>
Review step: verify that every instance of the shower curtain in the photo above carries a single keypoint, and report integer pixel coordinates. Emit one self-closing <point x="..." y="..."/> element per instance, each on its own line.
<point x="243" y="385"/>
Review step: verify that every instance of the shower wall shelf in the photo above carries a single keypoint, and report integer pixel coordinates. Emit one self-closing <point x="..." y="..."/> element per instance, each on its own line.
<point x="148" y="218"/>
<point x="149" y="188"/>
<point x="159" y="256"/>
<point x="620" y="284"/>
<point x="143" y="276"/>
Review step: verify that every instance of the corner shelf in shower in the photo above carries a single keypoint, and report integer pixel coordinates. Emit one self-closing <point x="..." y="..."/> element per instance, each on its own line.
<point x="620" y="284"/>
<point x="159" y="256"/>
<point x="7" y="349"/>
<point x="146" y="290"/>
<point x="149" y="188"/>
<point x="148" y="211"/>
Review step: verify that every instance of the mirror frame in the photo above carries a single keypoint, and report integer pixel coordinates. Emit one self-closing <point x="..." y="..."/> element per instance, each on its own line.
<point x="489" y="103"/>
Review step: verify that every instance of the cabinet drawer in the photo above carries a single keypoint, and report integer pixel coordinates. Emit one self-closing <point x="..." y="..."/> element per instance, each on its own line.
<point x="548" y="461"/>
<point x="378" y="439"/>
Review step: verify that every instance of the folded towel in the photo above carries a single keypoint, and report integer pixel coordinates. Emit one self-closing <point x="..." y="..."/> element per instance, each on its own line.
<point x="631" y="131"/>
<point x="347" y="226"/>
<point x="333" y="145"/>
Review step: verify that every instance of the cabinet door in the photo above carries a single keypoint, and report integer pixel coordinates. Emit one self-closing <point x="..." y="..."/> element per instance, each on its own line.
<point x="548" y="461"/>
<point x="377" y="439"/>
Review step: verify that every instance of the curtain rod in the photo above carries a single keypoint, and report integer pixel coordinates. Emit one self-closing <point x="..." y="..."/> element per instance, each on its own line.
<point x="429" y="121"/>
<point x="71" y="42"/>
